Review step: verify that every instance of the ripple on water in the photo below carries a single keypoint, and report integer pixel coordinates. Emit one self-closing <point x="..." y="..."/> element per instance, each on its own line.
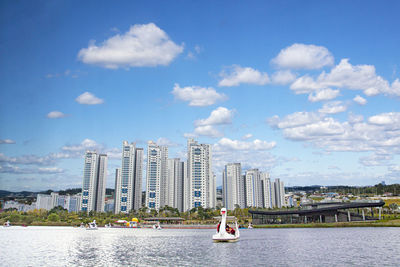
<point x="66" y="246"/>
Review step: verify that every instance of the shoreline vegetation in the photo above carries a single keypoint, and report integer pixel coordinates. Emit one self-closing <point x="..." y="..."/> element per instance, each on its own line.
<point x="198" y="218"/>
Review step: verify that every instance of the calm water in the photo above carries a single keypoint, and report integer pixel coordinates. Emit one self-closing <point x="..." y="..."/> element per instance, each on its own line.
<point x="63" y="246"/>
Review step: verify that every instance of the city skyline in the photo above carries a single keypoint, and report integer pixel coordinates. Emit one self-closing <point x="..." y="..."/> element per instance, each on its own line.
<point x="308" y="92"/>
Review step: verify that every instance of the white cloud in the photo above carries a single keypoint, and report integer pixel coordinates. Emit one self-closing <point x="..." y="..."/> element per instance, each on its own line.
<point x="283" y="77"/>
<point x="207" y="130"/>
<point x="6" y="141"/>
<point x="219" y="116"/>
<point x="228" y="144"/>
<point x="56" y="115"/>
<point x="86" y="144"/>
<point x="209" y="126"/>
<point x="347" y="76"/>
<point x="324" y="94"/>
<point x="333" y="107"/>
<point x="294" y="120"/>
<point x="381" y="133"/>
<point x="89" y="99"/>
<point x="301" y="56"/>
<point x="41" y="170"/>
<point x="360" y="100"/>
<point x="163" y="141"/>
<point x="391" y="120"/>
<point x="142" y="46"/>
<point x="198" y="96"/>
<point x="247" y="136"/>
<point x="238" y="75"/>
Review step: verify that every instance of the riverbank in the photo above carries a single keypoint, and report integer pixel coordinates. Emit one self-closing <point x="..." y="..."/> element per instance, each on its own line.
<point x="385" y="223"/>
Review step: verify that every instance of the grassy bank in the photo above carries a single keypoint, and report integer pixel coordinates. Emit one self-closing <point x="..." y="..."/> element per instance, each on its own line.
<point x="382" y="223"/>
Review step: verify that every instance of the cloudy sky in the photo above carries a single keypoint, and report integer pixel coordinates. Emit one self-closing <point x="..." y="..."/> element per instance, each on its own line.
<point x="306" y="90"/>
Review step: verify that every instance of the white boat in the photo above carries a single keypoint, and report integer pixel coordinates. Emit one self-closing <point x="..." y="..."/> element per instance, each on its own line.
<point x="7" y="224"/>
<point x="92" y="226"/>
<point x="157" y="226"/>
<point x="224" y="233"/>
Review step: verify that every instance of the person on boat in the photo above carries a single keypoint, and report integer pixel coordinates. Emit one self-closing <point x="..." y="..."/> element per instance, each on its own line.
<point x="230" y="230"/>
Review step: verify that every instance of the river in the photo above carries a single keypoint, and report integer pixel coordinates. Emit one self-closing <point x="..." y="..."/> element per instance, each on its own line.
<point x="67" y="246"/>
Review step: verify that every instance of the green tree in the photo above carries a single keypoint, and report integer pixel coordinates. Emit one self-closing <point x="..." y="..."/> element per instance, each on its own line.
<point x="53" y="217"/>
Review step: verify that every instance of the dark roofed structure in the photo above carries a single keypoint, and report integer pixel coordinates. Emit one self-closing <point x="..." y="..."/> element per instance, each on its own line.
<point x="318" y="212"/>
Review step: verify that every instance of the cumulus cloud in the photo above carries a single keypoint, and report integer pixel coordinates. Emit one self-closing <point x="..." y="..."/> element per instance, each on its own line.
<point x="229" y="144"/>
<point x="219" y="116"/>
<point x="236" y="75"/>
<point x="333" y="107"/>
<point x="283" y="77"/>
<point x="89" y="99"/>
<point x="360" y="100"/>
<point x="294" y="120"/>
<point x="198" y="96"/>
<point x="390" y="120"/>
<point x="348" y="76"/>
<point x="86" y="144"/>
<point x="143" y="45"/>
<point x="247" y="136"/>
<point x="209" y="126"/>
<point x="207" y="130"/>
<point x="55" y="115"/>
<point x="324" y="94"/>
<point x="6" y="141"/>
<point x="380" y="134"/>
<point x="302" y="56"/>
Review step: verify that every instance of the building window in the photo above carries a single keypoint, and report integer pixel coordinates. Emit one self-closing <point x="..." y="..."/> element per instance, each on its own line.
<point x="197" y="193"/>
<point x="123" y="208"/>
<point x="152" y="195"/>
<point x="197" y="204"/>
<point x="152" y="205"/>
<point x="124" y="199"/>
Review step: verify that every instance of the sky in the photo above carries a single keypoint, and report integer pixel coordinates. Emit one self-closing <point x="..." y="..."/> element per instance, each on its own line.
<point x="308" y="91"/>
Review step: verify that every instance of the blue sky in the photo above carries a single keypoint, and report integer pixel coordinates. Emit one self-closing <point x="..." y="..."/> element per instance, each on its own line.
<point x="308" y="91"/>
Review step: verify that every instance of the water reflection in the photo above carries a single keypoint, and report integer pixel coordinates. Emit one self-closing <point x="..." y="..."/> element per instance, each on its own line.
<point x="62" y="246"/>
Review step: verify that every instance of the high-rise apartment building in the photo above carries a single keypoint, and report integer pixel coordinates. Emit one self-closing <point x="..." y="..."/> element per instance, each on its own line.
<point x="176" y="174"/>
<point x="202" y="188"/>
<point x="233" y="188"/>
<point x="156" y="189"/>
<point x="279" y="193"/>
<point x="128" y="182"/>
<point x="94" y="182"/>
<point x="253" y="188"/>
<point x="267" y="191"/>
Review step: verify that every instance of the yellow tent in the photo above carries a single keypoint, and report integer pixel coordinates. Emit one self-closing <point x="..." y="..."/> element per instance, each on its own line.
<point x="134" y="220"/>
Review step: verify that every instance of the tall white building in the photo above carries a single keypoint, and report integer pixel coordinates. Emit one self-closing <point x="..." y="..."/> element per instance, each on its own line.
<point x="117" y="191"/>
<point x="279" y="193"/>
<point x="44" y="202"/>
<point x="94" y="181"/>
<point x="233" y="188"/>
<point x="253" y="188"/>
<point x="176" y="176"/>
<point x="202" y="188"/>
<point x="156" y="189"/>
<point x="267" y="191"/>
<point x="128" y="191"/>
